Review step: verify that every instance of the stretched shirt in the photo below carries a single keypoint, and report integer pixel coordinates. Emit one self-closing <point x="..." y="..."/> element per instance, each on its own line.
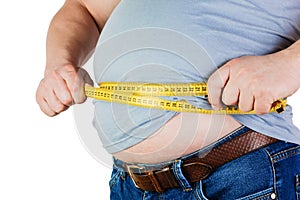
<point x="162" y="41"/>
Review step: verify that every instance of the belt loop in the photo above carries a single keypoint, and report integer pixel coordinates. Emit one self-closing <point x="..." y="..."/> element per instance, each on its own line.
<point x="200" y="190"/>
<point x="183" y="182"/>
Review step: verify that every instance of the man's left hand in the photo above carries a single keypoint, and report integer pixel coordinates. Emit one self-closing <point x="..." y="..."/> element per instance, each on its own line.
<point x="254" y="82"/>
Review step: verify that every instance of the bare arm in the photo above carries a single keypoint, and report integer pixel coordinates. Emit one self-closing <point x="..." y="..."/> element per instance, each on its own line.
<point x="255" y="82"/>
<point x="72" y="36"/>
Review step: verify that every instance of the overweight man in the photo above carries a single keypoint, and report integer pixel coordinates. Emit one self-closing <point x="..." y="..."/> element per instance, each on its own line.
<point x="248" y="53"/>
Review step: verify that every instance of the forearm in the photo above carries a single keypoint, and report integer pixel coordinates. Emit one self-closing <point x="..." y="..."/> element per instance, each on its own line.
<point x="72" y="36"/>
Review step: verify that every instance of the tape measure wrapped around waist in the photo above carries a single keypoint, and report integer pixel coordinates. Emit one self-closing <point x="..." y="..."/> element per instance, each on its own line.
<point x="148" y="95"/>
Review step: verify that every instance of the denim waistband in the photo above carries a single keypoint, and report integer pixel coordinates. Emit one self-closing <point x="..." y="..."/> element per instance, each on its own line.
<point x="143" y="167"/>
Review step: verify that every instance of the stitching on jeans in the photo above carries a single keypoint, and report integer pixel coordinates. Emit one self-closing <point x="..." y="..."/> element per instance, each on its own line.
<point x="266" y="193"/>
<point x="197" y="191"/>
<point x="261" y="197"/>
<point x="297" y="185"/>
<point x="273" y="170"/>
<point x="177" y="176"/>
<point x="180" y="176"/>
<point x="145" y="195"/>
<point x="286" y="153"/>
<point x="297" y="180"/>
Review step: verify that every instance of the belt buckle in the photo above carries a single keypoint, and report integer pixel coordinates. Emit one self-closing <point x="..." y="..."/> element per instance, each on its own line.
<point x="134" y="169"/>
<point x="132" y="175"/>
<point x="150" y="174"/>
<point x="208" y="168"/>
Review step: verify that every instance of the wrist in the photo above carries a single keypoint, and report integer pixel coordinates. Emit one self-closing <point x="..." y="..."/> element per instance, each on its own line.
<point x="289" y="59"/>
<point x="50" y="68"/>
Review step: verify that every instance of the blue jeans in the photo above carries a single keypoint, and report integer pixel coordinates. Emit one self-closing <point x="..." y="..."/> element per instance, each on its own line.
<point x="272" y="172"/>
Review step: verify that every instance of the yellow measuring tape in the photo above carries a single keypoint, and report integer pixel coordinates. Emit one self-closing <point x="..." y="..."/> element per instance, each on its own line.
<point x="147" y="95"/>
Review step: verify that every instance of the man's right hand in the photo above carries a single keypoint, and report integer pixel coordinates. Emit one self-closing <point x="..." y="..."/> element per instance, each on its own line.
<point x="61" y="88"/>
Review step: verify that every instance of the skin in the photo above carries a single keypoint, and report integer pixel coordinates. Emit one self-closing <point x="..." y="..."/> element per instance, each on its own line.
<point x="255" y="82"/>
<point x="71" y="39"/>
<point x="251" y="82"/>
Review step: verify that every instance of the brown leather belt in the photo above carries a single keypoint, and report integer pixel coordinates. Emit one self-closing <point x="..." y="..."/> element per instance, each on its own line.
<point x="199" y="167"/>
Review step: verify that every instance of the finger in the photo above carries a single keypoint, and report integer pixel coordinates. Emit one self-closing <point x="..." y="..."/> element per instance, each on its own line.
<point x="74" y="78"/>
<point x="230" y="95"/>
<point x="46" y="109"/>
<point x="78" y="93"/>
<point x="63" y="93"/>
<point x="216" y="83"/>
<point x="85" y="79"/>
<point x="88" y="79"/>
<point x="262" y="105"/>
<point x="246" y="101"/>
<point x="58" y="86"/>
<point x="54" y="103"/>
<point x="41" y="92"/>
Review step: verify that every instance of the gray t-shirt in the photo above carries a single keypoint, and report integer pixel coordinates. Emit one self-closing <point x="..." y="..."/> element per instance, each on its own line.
<point x="165" y="41"/>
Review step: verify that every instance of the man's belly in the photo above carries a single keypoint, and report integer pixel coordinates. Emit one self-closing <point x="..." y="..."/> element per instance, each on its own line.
<point x="181" y="135"/>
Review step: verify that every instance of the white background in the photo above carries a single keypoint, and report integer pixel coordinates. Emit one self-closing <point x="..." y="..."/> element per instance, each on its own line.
<point x="41" y="157"/>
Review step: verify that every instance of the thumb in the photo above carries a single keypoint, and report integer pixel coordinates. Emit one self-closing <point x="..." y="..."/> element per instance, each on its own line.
<point x="87" y="80"/>
<point x="216" y="83"/>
